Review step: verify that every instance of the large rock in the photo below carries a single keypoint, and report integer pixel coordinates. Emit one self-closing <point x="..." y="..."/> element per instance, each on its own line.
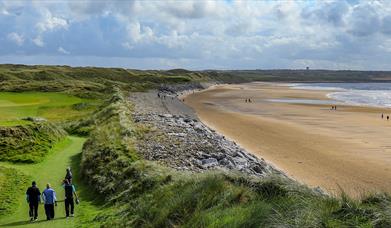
<point x="209" y="162"/>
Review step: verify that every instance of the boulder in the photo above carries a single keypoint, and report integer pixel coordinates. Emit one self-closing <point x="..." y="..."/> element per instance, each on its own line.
<point x="209" y="162"/>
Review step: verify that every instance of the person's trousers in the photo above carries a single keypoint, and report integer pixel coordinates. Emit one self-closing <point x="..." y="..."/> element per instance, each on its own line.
<point x="49" y="210"/>
<point x="69" y="203"/>
<point x="33" y="212"/>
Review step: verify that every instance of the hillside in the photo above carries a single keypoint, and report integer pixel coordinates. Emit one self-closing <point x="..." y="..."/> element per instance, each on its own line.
<point x="240" y="76"/>
<point x="91" y="82"/>
<point x="94" y="82"/>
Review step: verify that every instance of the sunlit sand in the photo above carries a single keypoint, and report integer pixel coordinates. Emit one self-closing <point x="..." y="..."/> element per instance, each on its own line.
<point x="349" y="147"/>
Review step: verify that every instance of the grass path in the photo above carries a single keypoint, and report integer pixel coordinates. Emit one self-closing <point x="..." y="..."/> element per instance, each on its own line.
<point x="52" y="170"/>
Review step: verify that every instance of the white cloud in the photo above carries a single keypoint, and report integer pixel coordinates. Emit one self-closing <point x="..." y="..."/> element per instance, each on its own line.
<point x="63" y="51"/>
<point x="38" y="41"/>
<point x="52" y="23"/>
<point x="16" y="38"/>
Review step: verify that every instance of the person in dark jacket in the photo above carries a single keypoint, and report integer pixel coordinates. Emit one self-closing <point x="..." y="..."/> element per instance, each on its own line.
<point x="33" y="197"/>
<point x="70" y="191"/>
<point x="68" y="175"/>
<point x="49" y="199"/>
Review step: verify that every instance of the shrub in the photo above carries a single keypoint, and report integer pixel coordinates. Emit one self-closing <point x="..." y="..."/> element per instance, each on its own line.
<point x="28" y="143"/>
<point x="11" y="184"/>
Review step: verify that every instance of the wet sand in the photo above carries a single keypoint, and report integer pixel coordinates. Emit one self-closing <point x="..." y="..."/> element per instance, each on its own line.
<point x="349" y="147"/>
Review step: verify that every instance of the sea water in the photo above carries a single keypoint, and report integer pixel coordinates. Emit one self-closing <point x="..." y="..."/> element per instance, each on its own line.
<point x="363" y="94"/>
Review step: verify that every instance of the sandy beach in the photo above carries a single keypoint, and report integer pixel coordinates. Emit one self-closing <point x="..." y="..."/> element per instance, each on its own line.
<point x="349" y="147"/>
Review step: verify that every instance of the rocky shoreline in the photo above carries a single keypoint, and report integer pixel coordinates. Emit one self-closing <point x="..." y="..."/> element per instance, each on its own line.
<point x="177" y="139"/>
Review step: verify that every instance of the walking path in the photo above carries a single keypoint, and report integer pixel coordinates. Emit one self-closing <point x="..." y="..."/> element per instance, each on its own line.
<point x="52" y="170"/>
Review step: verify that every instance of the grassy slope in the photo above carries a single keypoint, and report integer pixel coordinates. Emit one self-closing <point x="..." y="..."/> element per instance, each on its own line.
<point x="87" y="81"/>
<point x="11" y="181"/>
<point x="29" y="143"/>
<point x="52" y="170"/>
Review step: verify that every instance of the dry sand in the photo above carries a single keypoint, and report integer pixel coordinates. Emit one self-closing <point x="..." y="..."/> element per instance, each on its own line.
<point x="350" y="147"/>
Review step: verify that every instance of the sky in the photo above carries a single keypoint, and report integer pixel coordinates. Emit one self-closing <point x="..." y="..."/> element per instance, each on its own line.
<point x="199" y="34"/>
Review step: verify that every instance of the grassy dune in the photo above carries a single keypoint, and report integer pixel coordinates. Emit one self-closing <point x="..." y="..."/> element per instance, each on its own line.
<point x="88" y="82"/>
<point x="29" y="143"/>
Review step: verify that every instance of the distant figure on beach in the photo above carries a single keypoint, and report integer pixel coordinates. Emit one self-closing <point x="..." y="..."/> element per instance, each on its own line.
<point x="246" y="100"/>
<point x="382" y="116"/>
<point x="33" y="197"/>
<point x="249" y="100"/>
<point x="158" y="95"/>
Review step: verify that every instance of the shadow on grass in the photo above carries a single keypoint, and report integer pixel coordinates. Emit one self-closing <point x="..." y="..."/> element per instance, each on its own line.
<point x="23" y="223"/>
<point x="85" y="192"/>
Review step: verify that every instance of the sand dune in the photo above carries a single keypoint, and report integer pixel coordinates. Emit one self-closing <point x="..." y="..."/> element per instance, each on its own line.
<point x="350" y="147"/>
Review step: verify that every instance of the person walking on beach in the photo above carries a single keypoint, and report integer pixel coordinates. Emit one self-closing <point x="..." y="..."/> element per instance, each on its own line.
<point x="69" y="200"/>
<point x="68" y="175"/>
<point x="382" y="116"/>
<point x="33" y="197"/>
<point x="49" y="200"/>
<point x="388" y="118"/>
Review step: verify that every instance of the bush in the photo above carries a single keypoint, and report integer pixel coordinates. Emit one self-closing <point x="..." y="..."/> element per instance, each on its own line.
<point x="28" y="143"/>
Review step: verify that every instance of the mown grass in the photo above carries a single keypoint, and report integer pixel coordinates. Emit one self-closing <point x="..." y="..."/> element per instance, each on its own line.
<point x="12" y="183"/>
<point x="52" y="106"/>
<point x="52" y="170"/>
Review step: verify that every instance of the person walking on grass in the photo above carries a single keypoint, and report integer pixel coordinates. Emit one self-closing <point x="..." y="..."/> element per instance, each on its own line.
<point x="69" y="200"/>
<point x="49" y="199"/>
<point x="68" y="175"/>
<point x="33" y="197"/>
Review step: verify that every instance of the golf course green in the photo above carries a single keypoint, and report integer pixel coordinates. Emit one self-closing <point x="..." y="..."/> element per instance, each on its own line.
<point x="49" y="105"/>
<point x="52" y="170"/>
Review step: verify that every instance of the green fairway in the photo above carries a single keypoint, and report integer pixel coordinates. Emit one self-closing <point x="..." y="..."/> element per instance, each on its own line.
<point x="52" y="170"/>
<point x="52" y="106"/>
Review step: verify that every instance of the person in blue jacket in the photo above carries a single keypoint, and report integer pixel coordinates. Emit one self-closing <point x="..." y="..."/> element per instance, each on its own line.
<point x="50" y="200"/>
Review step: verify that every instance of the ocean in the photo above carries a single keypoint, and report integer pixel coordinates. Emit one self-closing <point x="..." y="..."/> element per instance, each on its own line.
<point x="363" y="94"/>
